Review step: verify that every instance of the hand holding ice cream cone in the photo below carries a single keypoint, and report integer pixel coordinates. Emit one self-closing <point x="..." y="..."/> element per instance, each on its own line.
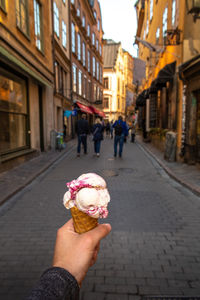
<point x="88" y="199"/>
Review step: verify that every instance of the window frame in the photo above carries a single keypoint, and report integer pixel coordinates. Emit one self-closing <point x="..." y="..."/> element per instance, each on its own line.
<point x="3" y="5"/>
<point x="64" y="34"/>
<point x="56" y="19"/>
<point x="18" y="15"/>
<point x="40" y="25"/>
<point x="174" y="7"/>
<point x="73" y="37"/>
<point x="94" y="66"/>
<point x="151" y="10"/>
<point x="84" y="53"/>
<point x="89" y="61"/>
<point x="80" y="84"/>
<point x="74" y="75"/>
<point x="164" y="23"/>
<point x="106" y="102"/>
<point x="79" y="46"/>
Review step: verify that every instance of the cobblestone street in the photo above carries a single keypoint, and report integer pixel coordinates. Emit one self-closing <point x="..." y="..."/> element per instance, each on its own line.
<point x="154" y="246"/>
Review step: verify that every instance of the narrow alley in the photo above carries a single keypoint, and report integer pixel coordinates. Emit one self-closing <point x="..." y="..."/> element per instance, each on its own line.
<point x="154" y="245"/>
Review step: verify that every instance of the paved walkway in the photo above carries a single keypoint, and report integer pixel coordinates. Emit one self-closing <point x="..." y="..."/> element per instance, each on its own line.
<point x="16" y="179"/>
<point x="154" y="246"/>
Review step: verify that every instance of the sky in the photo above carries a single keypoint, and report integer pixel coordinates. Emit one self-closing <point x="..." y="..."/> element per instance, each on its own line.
<point x="120" y="22"/>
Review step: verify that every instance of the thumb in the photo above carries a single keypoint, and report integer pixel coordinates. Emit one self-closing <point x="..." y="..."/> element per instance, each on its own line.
<point x="101" y="231"/>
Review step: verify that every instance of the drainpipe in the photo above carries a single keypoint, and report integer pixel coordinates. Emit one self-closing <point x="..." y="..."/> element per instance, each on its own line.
<point x="70" y="55"/>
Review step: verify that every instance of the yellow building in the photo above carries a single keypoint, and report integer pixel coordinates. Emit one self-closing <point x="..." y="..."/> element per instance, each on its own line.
<point x="168" y="39"/>
<point x="114" y="103"/>
<point x="129" y="86"/>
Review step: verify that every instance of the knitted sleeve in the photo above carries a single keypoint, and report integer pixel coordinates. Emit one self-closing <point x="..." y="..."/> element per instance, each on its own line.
<point x="55" y="283"/>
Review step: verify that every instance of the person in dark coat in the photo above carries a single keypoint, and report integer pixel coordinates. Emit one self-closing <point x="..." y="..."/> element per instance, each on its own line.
<point x="82" y="130"/>
<point x="97" y="131"/>
<point x="121" y="131"/>
<point x="108" y="128"/>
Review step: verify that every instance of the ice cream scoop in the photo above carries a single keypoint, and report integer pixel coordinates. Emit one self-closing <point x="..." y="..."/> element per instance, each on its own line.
<point x="88" y="198"/>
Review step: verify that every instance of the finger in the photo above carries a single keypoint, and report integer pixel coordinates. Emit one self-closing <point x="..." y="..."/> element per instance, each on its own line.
<point x="99" y="232"/>
<point x="68" y="226"/>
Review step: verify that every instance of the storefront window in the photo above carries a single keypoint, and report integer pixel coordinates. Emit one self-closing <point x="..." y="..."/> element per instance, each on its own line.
<point x="13" y="112"/>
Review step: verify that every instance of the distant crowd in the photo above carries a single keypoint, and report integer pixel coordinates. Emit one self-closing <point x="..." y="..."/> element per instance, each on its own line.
<point x="119" y="130"/>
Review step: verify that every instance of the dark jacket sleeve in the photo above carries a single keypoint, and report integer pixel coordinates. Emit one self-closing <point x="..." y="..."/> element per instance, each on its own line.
<point x="55" y="284"/>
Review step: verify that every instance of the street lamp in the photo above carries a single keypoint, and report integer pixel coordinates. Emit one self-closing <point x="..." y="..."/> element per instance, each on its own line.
<point x="193" y="7"/>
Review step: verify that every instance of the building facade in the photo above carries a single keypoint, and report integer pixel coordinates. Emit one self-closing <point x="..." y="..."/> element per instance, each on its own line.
<point x="26" y="79"/>
<point x="168" y="40"/>
<point x="87" y="58"/>
<point x="114" y="101"/>
<point x="130" y="88"/>
<point x="62" y="68"/>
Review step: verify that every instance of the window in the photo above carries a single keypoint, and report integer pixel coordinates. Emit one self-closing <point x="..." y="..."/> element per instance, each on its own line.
<point x="105" y="83"/>
<point x="95" y="14"/>
<point x="64" y="34"/>
<point x="157" y="35"/>
<point x="118" y="103"/>
<point x="56" y="76"/>
<point x="106" y="102"/>
<point x="83" y="21"/>
<point x="84" y="61"/>
<point x="94" y="66"/>
<point x="79" y="46"/>
<point x="72" y="1"/>
<point x="22" y="16"/>
<point x="147" y="27"/>
<point x="101" y="74"/>
<point x="80" y="82"/>
<point x="164" y="32"/>
<point x="89" y="90"/>
<point x="151" y="9"/>
<point x="64" y="1"/>
<point x="85" y="86"/>
<point x="100" y="50"/>
<point x="56" y="19"/>
<point x="37" y="21"/>
<point x="97" y="45"/>
<point x="13" y="112"/>
<point x="3" y="4"/>
<point x="93" y="39"/>
<point x="89" y="61"/>
<point x="95" y="92"/>
<point x="78" y="12"/>
<point x="74" y="78"/>
<point x="88" y="30"/>
<point x="98" y="25"/>
<point x="97" y="70"/>
<point x="173" y="12"/>
<point x="118" y="84"/>
<point x="60" y="80"/>
<point x="144" y="34"/>
<point x="73" y="38"/>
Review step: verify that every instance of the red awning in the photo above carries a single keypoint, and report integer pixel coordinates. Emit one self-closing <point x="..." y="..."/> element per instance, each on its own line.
<point x="97" y="112"/>
<point x="84" y="108"/>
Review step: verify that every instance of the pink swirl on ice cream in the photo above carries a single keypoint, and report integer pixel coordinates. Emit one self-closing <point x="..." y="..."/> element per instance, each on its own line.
<point x="89" y="194"/>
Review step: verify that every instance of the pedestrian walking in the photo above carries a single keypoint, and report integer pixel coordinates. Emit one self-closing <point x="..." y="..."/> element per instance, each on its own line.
<point x="108" y="128"/>
<point x="121" y="131"/>
<point x="82" y="130"/>
<point x="133" y="133"/>
<point x="97" y="131"/>
<point x="111" y="129"/>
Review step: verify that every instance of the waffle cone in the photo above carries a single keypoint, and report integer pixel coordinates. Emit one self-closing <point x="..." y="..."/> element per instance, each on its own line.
<point x="82" y="222"/>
